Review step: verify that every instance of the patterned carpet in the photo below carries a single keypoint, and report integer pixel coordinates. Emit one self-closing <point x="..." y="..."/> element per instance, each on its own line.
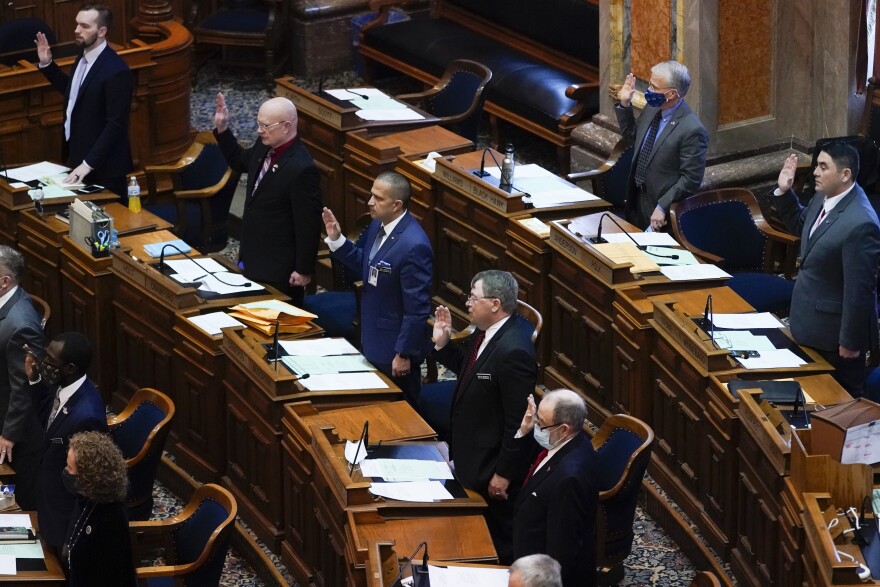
<point x="656" y="559"/>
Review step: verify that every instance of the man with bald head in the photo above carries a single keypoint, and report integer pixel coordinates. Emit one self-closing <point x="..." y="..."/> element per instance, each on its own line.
<point x="556" y="508"/>
<point x="282" y="212"/>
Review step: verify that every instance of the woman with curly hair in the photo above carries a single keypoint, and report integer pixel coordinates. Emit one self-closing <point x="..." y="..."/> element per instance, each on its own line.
<point x="97" y="552"/>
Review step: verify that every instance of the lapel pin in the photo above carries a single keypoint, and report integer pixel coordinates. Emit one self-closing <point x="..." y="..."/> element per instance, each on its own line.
<point x="64" y="410"/>
<point x="274" y="168"/>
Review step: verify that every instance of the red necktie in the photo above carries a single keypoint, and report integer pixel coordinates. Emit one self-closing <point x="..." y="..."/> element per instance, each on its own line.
<point x="537" y="462"/>
<point x="818" y="221"/>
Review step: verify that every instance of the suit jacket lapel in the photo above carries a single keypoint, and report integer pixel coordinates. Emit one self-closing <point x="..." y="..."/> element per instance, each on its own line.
<point x="829" y="220"/>
<point x="392" y="239"/>
<point x="670" y="127"/>
<point x="69" y="406"/>
<point x="544" y="472"/>
<point x="4" y="310"/>
<point x="642" y="130"/>
<point x="254" y="172"/>
<point x="484" y="356"/>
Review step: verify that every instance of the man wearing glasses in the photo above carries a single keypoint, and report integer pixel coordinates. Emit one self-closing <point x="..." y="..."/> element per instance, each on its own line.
<point x="282" y="212"/>
<point x="670" y="145"/>
<point x="497" y="370"/>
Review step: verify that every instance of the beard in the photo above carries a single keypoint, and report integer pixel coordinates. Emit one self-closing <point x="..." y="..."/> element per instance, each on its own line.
<point x="86" y="41"/>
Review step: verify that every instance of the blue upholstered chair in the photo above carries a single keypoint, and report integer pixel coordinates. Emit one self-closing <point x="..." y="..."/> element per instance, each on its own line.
<point x="623" y="447"/>
<point x="195" y="541"/>
<point x="203" y="187"/>
<point x="609" y="181"/>
<point x="140" y="432"/>
<point x="17" y="39"/>
<point x="240" y="26"/>
<point x="727" y="227"/>
<point x="435" y="399"/>
<point x="457" y="98"/>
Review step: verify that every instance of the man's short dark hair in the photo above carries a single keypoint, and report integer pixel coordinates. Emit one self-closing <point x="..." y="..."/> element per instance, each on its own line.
<point x="399" y="184"/>
<point x="11" y="263"/>
<point x="105" y="15"/>
<point x="845" y="156"/>
<point x="500" y="285"/>
<point x="75" y="349"/>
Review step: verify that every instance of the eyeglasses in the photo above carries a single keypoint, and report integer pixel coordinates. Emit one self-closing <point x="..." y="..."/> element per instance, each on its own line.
<point x="471" y="299"/>
<point x="550" y="426"/>
<point x="265" y="127"/>
<point x="653" y="88"/>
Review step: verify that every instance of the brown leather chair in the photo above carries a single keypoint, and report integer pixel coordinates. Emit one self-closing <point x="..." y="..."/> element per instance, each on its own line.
<point x="42" y="308"/>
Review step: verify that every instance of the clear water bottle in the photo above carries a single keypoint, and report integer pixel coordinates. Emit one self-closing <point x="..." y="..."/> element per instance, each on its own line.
<point x="507" y="165"/>
<point x="134" y="195"/>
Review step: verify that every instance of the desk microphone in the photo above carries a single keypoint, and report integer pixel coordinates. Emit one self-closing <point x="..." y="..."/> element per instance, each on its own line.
<point x="301" y="377"/>
<point x="361" y="96"/>
<point x="363" y="442"/>
<point x="420" y="572"/>
<point x="482" y="172"/>
<point x="161" y="267"/>
<point x="644" y="248"/>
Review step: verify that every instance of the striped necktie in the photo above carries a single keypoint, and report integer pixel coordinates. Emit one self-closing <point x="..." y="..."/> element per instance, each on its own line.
<point x="267" y="162"/>
<point x="645" y="152"/>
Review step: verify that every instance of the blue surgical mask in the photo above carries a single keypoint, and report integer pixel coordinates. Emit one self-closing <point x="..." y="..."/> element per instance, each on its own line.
<point x="542" y="436"/>
<point x="655" y="99"/>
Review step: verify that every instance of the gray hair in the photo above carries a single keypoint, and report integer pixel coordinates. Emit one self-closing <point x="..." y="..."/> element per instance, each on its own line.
<point x="569" y="408"/>
<point x="12" y="261"/>
<point x="399" y="184"/>
<point x="675" y="74"/>
<point x="538" y="570"/>
<point x="500" y="285"/>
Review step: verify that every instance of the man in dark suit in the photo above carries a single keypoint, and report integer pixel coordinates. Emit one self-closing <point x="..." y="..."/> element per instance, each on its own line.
<point x="834" y="304"/>
<point x="395" y="260"/>
<point x="67" y="403"/>
<point x="97" y="102"/>
<point x="556" y="509"/>
<point x="282" y="211"/>
<point x="670" y="145"/>
<point x="496" y="369"/>
<point x="21" y="435"/>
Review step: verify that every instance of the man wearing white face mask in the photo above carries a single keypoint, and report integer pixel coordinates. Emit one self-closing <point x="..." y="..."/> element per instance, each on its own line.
<point x="556" y="508"/>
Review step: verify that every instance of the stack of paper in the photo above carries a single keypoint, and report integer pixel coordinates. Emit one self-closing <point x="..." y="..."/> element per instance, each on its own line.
<point x="265" y="314"/>
<point x="628" y="253"/>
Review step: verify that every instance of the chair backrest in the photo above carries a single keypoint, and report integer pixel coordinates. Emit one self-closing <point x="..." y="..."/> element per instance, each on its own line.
<point x="611" y="183"/>
<point x="623" y="450"/>
<point x="532" y="315"/>
<point x="42" y="308"/>
<point x="140" y="432"/>
<point x="724" y="223"/>
<point x="17" y="38"/>
<point x="208" y="169"/>
<point x="201" y="540"/>
<point x="461" y="96"/>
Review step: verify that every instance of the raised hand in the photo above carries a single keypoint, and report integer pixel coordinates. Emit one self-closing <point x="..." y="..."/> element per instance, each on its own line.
<point x="331" y="225"/>
<point x="442" y="327"/>
<point x="786" y="176"/>
<point x="528" y="421"/>
<point x="624" y="96"/>
<point x="221" y="115"/>
<point x="44" y="52"/>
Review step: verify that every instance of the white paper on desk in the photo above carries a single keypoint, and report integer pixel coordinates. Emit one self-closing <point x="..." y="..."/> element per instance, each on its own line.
<point x="654" y="239"/>
<point x="18" y="185"/>
<point x="661" y="256"/>
<point x="421" y="491"/>
<point x="213" y="322"/>
<point x="345" y="94"/>
<point x="777" y="359"/>
<point x="536" y="225"/>
<point x="862" y="444"/>
<point x="389" y="114"/>
<point x="746" y="321"/>
<point x="384" y="103"/>
<point x="32" y="550"/>
<point x="560" y="197"/>
<point x="231" y="283"/>
<point x="530" y="170"/>
<point x="352" y="454"/>
<point x="7" y="564"/>
<point x="56" y="191"/>
<point x="302" y="364"/>
<point x="15" y="521"/>
<point x="344" y="381"/>
<point x="467" y="577"/>
<point x="743" y="340"/>
<point x="318" y="347"/>
<point x="405" y="469"/>
<point x="693" y="272"/>
<point x="189" y="269"/>
<point x="35" y="171"/>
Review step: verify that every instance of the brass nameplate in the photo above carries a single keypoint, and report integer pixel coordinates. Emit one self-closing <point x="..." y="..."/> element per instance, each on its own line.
<point x="665" y="320"/>
<point x="316" y="109"/>
<point x="471" y="187"/>
<point x="574" y="248"/>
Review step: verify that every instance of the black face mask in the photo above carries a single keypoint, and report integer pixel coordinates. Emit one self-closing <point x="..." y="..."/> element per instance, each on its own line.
<point x="50" y="374"/>
<point x="69" y="482"/>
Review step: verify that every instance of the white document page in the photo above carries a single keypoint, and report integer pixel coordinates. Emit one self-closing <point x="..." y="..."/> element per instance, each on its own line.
<point x="467" y="577"/>
<point x="227" y="283"/>
<point x="189" y="269"/>
<point x="36" y="171"/>
<point x="389" y="114"/>
<point x="656" y="239"/>
<point x="7" y="564"/>
<point x="661" y="256"/>
<point x="213" y="322"/>
<point x="746" y="321"/>
<point x="862" y="444"/>
<point x="693" y="272"/>
<point x="356" y="93"/>
<point x="561" y="197"/>
<point x="743" y="340"/>
<point x="319" y="347"/>
<point x="405" y="469"/>
<point x="312" y="365"/>
<point x="421" y="491"/>
<point x="344" y="381"/>
<point x="780" y="358"/>
<point x="33" y="550"/>
<point x="352" y="454"/>
<point x="15" y="520"/>
<point x="530" y="170"/>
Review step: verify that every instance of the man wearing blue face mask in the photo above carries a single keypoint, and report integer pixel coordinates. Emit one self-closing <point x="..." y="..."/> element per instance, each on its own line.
<point x="670" y="145"/>
<point x="556" y="508"/>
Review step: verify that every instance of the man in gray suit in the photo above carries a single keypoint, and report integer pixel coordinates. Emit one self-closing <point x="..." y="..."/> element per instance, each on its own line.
<point x="670" y="145"/>
<point x="834" y="305"/>
<point x="21" y="433"/>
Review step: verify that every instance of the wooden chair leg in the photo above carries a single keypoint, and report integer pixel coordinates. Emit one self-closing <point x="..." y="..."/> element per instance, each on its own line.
<point x="563" y="156"/>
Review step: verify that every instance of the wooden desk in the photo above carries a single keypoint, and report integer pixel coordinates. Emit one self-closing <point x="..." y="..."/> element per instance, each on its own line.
<point x="305" y="539"/>
<point x="255" y="397"/>
<point x="53" y="576"/>
<point x="383" y="564"/>
<point x="463" y="538"/>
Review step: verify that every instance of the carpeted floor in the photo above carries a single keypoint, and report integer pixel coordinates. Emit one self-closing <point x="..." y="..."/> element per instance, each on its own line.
<point x="656" y="560"/>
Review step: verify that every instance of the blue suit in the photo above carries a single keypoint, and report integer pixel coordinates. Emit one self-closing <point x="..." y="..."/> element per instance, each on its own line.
<point x="395" y="310"/>
<point x="83" y="411"/>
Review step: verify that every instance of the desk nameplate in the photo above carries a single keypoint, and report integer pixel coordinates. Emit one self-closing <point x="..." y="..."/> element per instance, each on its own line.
<point x="694" y="342"/>
<point x="585" y="255"/>
<point x="466" y="183"/>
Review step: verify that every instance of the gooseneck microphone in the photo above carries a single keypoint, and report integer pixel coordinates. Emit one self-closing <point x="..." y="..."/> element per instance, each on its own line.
<point x="482" y="172"/>
<point x="162" y="267"/>
<point x="420" y="572"/>
<point x="361" y="96"/>
<point x="599" y="240"/>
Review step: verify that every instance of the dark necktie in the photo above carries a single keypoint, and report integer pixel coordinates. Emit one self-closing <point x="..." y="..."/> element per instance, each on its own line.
<point x="267" y="162"/>
<point x="647" y="147"/>
<point x="537" y="462"/>
<point x="472" y="359"/>
<point x="56" y="405"/>
<point x="377" y="243"/>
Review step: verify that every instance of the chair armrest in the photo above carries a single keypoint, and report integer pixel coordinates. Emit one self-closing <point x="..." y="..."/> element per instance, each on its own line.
<point x="164" y="571"/>
<point x="153" y="526"/>
<point x="706" y="256"/>
<point x="579" y="93"/>
<point x="202" y="193"/>
<point x="579" y="175"/>
<point x="457" y="335"/>
<point x="417" y="97"/>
